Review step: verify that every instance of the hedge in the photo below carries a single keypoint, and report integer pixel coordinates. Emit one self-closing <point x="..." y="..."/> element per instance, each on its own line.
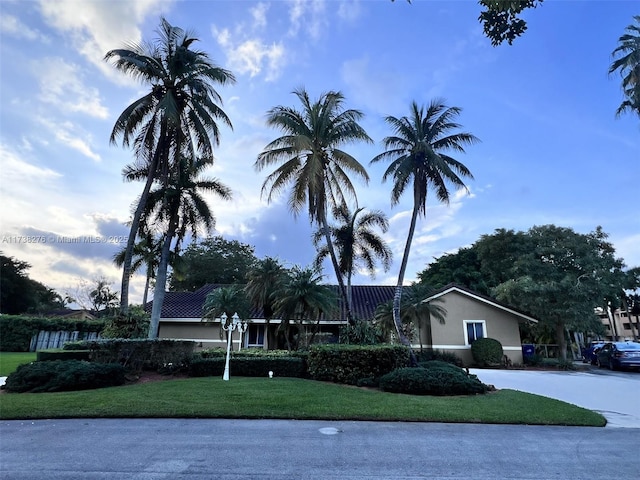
<point x="62" y="354"/>
<point x="139" y="354"/>
<point x="254" y="366"/>
<point x="436" y="378"/>
<point x="351" y="363"/>
<point x="17" y="330"/>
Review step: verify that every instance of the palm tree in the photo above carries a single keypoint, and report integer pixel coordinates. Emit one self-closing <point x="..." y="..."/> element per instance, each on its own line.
<point x="177" y="115"/>
<point x="302" y="298"/>
<point x="417" y="152"/>
<point x="312" y="162"/>
<point x="627" y="62"/>
<point x="179" y="208"/>
<point x="146" y="253"/>
<point x="356" y="242"/>
<point x="263" y="280"/>
<point x="415" y="312"/>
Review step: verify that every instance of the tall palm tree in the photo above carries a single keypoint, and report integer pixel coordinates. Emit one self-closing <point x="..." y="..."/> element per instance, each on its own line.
<point x="303" y="299"/>
<point x="356" y="242"/>
<point x="179" y="208"/>
<point x="312" y="162"/>
<point x="627" y="63"/>
<point x="178" y="115"/>
<point x="417" y="152"/>
<point x="263" y="280"/>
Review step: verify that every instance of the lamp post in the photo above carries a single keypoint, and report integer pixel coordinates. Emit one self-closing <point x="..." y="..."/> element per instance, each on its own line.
<point x="236" y="324"/>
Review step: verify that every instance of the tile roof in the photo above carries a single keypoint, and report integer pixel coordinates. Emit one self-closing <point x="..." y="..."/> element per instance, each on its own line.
<point x="365" y="299"/>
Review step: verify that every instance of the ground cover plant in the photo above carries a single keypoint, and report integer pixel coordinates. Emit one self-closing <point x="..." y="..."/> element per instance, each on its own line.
<point x="290" y="398"/>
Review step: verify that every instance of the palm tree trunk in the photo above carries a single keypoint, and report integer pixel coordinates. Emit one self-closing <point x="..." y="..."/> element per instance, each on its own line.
<point x="128" y="255"/>
<point x="161" y="281"/>
<point x="397" y="297"/>
<point x="562" y="341"/>
<point x="146" y="290"/>
<point x="336" y="268"/>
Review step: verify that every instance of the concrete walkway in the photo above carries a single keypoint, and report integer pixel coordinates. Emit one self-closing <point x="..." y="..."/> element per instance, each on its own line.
<point x="616" y="395"/>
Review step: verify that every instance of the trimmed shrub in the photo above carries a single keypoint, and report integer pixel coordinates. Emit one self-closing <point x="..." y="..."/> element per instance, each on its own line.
<point x="255" y="366"/>
<point x="62" y="354"/>
<point x="487" y="352"/>
<point x="135" y="324"/>
<point x="351" y="363"/>
<point x="139" y="354"/>
<point x="439" y="378"/>
<point x="17" y="330"/>
<point x="429" y="355"/>
<point x="64" y="375"/>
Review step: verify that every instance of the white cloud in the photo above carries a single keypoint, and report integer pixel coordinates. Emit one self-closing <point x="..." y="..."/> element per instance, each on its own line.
<point x="349" y="10"/>
<point x="10" y="25"/>
<point x="70" y="135"/>
<point x="251" y="56"/>
<point x="308" y="15"/>
<point x="97" y="27"/>
<point x="259" y="14"/>
<point x="61" y="85"/>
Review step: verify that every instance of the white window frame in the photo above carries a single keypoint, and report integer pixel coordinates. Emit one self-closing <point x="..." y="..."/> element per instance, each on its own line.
<point x="464" y="330"/>
<point x="264" y="336"/>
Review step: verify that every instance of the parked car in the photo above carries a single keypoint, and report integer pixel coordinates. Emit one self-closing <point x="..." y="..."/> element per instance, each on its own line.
<point x="616" y="355"/>
<point x="589" y="354"/>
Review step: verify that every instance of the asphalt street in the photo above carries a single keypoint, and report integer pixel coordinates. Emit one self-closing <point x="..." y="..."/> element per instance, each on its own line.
<point x="155" y="449"/>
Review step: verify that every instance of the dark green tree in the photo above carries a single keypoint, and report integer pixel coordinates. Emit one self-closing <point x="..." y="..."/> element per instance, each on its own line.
<point x="462" y="268"/>
<point x="213" y="260"/>
<point x="178" y="116"/>
<point x="310" y="160"/>
<point x="419" y="161"/>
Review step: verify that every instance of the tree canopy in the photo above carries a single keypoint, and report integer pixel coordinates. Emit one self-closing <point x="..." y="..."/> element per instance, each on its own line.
<point x="213" y="260"/>
<point x="553" y="273"/>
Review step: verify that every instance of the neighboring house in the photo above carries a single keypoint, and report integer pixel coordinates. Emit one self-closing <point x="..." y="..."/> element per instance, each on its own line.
<point x="469" y="316"/>
<point x="619" y="325"/>
<point x="71" y="314"/>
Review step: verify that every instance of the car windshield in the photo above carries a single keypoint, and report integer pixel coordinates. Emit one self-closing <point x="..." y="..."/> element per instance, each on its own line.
<point x="628" y="346"/>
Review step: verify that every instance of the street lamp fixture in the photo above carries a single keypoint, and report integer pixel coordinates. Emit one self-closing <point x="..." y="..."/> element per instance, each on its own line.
<point x="235" y="324"/>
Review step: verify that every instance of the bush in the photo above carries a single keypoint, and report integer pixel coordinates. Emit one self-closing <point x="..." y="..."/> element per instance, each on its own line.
<point x="439" y="378"/>
<point x="133" y="325"/>
<point x="361" y="333"/>
<point x="138" y="354"/>
<point x="351" y="363"/>
<point x="64" y="375"/>
<point x="62" y="354"/>
<point x="533" y="360"/>
<point x="253" y="366"/>
<point x="428" y="355"/>
<point x="566" y="364"/>
<point x="487" y="352"/>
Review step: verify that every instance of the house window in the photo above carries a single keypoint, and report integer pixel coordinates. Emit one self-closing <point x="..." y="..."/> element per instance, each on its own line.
<point x="473" y="330"/>
<point x="255" y="335"/>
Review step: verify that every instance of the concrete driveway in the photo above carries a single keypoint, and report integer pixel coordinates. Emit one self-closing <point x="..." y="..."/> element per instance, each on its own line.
<point x="616" y="395"/>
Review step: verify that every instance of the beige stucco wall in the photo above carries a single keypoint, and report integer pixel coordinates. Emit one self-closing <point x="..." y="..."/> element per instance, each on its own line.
<point x="499" y="324"/>
<point x="205" y="336"/>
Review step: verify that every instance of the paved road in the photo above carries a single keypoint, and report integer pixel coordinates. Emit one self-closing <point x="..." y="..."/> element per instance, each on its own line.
<point x="616" y="395"/>
<point x="148" y="449"/>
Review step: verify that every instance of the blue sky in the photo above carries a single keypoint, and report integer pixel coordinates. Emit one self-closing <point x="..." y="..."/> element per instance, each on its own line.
<point x="552" y="149"/>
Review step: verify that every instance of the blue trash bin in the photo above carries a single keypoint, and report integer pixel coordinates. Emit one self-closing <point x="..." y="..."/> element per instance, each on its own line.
<point x="528" y="350"/>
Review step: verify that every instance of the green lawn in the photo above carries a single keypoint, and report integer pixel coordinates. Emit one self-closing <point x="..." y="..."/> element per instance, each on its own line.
<point x="9" y="361"/>
<point x="290" y="398"/>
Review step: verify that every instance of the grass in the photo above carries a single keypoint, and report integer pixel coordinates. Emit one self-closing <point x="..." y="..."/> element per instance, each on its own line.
<point x="289" y="398"/>
<point x="9" y="361"/>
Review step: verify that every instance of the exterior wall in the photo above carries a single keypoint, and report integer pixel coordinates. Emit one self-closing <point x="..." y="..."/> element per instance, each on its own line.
<point x="205" y="336"/>
<point x="451" y="336"/>
<point x="622" y="325"/>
